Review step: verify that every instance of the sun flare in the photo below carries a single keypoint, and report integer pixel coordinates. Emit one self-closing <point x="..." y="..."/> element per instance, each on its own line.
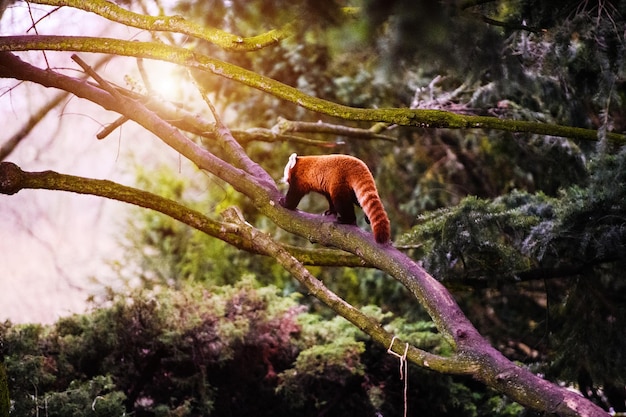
<point x="164" y="80"/>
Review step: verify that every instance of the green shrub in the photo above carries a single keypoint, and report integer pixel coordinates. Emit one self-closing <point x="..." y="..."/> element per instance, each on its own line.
<point x="237" y="350"/>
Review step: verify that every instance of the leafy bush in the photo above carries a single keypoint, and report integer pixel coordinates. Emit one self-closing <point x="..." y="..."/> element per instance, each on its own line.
<point x="234" y="350"/>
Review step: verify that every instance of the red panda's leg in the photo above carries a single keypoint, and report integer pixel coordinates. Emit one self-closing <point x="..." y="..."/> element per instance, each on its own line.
<point x="345" y="211"/>
<point x="291" y="200"/>
<point x="331" y="207"/>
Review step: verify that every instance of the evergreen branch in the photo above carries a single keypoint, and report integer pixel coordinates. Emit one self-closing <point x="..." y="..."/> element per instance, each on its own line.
<point x="401" y="116"/>
<point x="178" y="24"/>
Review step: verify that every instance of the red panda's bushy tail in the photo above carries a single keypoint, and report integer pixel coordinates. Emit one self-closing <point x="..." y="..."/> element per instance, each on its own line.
<point x="372" y="206"/>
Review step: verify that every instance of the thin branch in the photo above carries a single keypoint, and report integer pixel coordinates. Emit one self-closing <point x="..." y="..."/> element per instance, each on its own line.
<point x="402" y="116"/>
<point x="107" y="130"/>
<point x="270" y="135"/>
<point x="288" y="126"/>
<point x="45" y="16"/>
<point x="34" y="27"/>
<point x="37" y="116"/>
<point x="178" y="24"/>
<point x="107" y="87"/>
<point x="101" y="81"/>
<point x="232" y="148"/>
<point x="144" y="76"/>
<point x="507" y="25"/>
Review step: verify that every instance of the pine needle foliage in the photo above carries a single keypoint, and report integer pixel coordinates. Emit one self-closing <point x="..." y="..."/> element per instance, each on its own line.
<point x="575" y="243"/>
<point x="480" y="239"/>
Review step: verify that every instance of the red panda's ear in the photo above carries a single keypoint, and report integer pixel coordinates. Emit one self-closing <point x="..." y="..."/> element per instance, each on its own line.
<point x="290" y="164"/>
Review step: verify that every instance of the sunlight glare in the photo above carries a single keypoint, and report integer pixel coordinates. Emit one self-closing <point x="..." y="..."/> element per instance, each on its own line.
<point x="165" y="79"/>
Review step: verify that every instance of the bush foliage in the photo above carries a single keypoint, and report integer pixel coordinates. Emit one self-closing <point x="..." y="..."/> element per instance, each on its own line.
<point x="241" y="350"/>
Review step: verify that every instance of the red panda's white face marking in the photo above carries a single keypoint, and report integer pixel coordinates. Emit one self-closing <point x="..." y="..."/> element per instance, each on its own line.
<point x="290" y="164"/>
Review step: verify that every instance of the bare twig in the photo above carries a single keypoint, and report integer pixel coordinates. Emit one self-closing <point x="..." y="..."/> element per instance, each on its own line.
<point x="288" y="126"/>
<point x="270" y="135"/>
<point x="101" y="81"/>
<point x="107" y="130"/>
<point x="37" y="116"/>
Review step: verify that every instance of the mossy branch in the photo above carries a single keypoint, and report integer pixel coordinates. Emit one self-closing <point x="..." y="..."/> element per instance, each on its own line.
<point x="368" y="325"/>
<point x="471" y="350"/>
<point x="401" y="116"/>
<point x="284" y="126"/>
<point x="177" y="24"/>
<point x="13" y="179"/>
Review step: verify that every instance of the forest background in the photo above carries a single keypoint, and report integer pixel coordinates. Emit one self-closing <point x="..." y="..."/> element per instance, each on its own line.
<point x="525" y="226"/>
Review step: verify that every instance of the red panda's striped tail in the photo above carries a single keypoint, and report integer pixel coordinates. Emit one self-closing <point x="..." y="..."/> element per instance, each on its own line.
<point x="372" y="206"/>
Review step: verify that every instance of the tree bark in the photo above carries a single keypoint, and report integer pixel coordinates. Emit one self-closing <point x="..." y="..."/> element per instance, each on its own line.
<point x="473" y="354"/>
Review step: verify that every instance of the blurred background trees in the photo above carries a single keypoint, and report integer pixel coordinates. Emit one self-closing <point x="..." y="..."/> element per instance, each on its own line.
<point x="528" y="231"/>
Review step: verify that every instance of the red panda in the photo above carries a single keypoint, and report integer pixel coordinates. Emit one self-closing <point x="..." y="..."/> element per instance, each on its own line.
<point x="344" y="181"/>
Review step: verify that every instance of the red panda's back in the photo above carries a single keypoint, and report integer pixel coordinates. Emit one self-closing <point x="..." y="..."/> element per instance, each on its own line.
<point x="353" y="177"/>
<point x="344" y="178"/>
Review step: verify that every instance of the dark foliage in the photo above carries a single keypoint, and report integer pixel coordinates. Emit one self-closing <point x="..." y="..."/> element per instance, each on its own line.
<point x="573" y="247"/>
<point x="228" y="351"/>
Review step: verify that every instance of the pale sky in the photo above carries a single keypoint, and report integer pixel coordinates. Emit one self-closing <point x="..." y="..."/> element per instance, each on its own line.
<point x="54" y="245"/>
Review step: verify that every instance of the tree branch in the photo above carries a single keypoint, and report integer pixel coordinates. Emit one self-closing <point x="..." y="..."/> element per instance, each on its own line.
<point x="288" y="126"/>
<point x="473" y="353"/>
<point x="242" y="181"/>
<point x="231" y="147"/>
<point x="36" y="116"/>
<point x="371" y="327"/>
<point x="13" y="179"/>
<point x="178" y="24"/>
<point x="402" y="116"/>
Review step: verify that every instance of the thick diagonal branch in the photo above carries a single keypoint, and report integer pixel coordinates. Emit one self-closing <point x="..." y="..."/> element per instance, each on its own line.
<point x="472" y="350"/>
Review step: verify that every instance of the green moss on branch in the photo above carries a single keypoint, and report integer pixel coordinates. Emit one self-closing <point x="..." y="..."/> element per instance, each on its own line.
<point x="401" y="116"/>
<point x="177" y="24"/>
